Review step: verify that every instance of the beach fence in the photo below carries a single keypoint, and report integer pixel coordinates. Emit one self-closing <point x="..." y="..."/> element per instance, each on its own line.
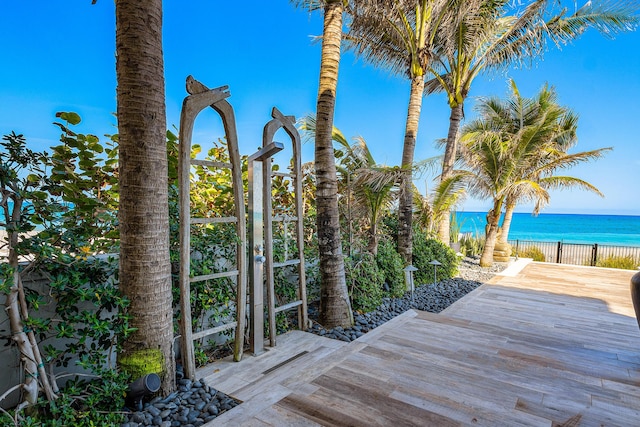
<point x="574" y="253"/>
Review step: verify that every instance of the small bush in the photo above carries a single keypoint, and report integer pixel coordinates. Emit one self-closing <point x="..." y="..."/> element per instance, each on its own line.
<point x="390" y="263"/>
<point x="471" y="245"/>
<point x="533" y="252"/>
<point x="80" y="403"/>
<point x="426" y="250"/>
<point x="622" y="262"/>
<point x="364" y="281"/>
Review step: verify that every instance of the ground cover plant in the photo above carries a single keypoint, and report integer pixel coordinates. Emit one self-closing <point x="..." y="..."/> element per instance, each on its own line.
<point x="623" y="262"/>
<point x="534" y="253"/>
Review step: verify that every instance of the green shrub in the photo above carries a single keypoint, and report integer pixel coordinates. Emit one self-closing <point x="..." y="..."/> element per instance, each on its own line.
<point x="533" y="252"/>
<point x="364" y="281"/>
<point x="83" y="403"/>
<point x="622" y="262"/>
<point x="390" y="263"/>
<point x="64" y="212"/>
<point x="426" y="250"/>
<point x="471" y="245"/>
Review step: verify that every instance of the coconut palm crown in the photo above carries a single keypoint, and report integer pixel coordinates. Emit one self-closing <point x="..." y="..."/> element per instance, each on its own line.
<point x="400" y="35"/>
<point x="495" y="35"/>
<point x="513" y="150"/>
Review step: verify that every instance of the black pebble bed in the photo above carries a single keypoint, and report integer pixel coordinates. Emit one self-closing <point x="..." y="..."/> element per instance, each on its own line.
<point x="432" y="297"/>
<point x="192" y="405"/>
<point x="196" y="403"/>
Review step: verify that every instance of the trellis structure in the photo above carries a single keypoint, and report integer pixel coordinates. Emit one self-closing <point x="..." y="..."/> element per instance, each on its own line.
<point x="261" y="219"/>
<point x="200" y="97"/>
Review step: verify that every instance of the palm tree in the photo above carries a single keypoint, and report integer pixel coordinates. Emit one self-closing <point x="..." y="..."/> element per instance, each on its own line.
<point x="514" y="147"/>
<point x="145" y="272"/>
<point x="541" y="171"/>
<point x="400" y="35"/>
<point x="374" y="195"/>
<point x="431" y="209"/>
<point x="335" y="308"/>
<point x="491" y="36"/>
<point x="481" y="38"/>
<point x="367" y="188"/>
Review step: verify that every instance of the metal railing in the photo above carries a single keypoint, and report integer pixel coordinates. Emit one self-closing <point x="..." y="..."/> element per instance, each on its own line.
<point x="573" y="253"/>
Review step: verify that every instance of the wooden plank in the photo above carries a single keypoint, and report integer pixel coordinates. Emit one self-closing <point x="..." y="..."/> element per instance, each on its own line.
<point x="212" y="276"/>
<point x="286" y="263"/>
<point x="211" y="164"/>
<point x="324" y="413"/>
<point x="531" y="349"/>
<point x="215" y="220"/>
<point x="211" y="331"/>
<point x="371" y="398"/>
<point x="289" y="306"/>
<point x="283" y="174"/>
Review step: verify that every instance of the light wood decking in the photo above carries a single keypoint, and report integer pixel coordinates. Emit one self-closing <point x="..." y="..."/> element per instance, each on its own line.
<point x="552" y="345"/>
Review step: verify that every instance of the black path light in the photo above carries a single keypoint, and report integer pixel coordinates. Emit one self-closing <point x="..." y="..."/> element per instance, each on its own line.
<point x="435" y="264"/>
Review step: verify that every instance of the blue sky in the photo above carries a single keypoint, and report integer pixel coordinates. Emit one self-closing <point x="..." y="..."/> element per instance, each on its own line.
<point x="62" y="58"/>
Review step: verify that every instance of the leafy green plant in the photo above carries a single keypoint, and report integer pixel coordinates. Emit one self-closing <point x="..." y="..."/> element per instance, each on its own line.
<point x="58" y="212"/>
<point x="213" y="246"/>
<point x="87" y="403"/>
<point x="471" y="245"/>
<point x="622" y="262"/>
<point x="534" y="253"/>
<point x="426" y="250"/>
<point x="364" y="281"/>
<point x="390" y="263"/>
<point x="454" y="228"/>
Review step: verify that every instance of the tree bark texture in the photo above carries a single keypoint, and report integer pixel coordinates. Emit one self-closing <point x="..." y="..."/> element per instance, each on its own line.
<point x="448" y="163"/>
<point x="372" y="245"/>
<point x="405" y="209"/>
<point x="493" y="219"/>
<point x="335" y="307"/>
<point x="18" y="315"/>
<point x="145" y="272"/>
<point x="506" y="222"/>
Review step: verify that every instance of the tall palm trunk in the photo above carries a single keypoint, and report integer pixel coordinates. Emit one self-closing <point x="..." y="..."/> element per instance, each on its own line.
<point x="145" y="273"/>
<point x="372" y="244"/>
<point x="506" y="222"/>
<point x="447" y="165"/>
<point x="493" y="219"/>
<point x="405" y="209"/>
<point x="335" y="308"/>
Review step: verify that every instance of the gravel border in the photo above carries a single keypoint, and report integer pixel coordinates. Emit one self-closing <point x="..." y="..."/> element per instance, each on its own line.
<point x="433" y="297"/>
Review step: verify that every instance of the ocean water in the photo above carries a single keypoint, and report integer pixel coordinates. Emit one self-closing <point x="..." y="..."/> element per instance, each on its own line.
<point x="619" y="230"/>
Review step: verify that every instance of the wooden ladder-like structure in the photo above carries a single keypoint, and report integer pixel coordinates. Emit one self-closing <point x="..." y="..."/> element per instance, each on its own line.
<point x="200" y="97"/>
<point x="261" y="219"/>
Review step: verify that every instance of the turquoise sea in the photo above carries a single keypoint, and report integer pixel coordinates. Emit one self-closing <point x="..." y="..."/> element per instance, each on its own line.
<point x="619" y="230"/>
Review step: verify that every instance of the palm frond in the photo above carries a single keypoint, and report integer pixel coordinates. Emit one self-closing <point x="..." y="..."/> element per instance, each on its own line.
<point x="607" y="17"/>
<point x="560" y="182"/>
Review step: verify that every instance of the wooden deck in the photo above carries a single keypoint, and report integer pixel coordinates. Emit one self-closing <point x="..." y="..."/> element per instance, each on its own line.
<point x="552" y="345"/>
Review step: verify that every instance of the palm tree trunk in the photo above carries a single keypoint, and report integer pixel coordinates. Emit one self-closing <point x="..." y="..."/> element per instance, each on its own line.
<point x="493" y="218"/>
<point x="447" y="165"/>
<point x="372" y="245"/>
<point x="145" y="273"/>
<point x="506" y="222"/>
<point x="335" y="308"/>
<point x="405" y="209"/>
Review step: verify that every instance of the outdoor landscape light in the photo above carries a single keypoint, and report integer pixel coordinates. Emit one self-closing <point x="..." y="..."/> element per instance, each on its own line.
<point x="435" y="264"/>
